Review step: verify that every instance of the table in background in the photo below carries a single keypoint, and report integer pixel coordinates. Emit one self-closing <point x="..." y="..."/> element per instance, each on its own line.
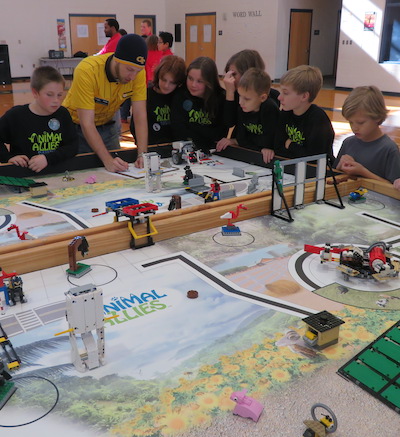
<point x="61" y="64"/>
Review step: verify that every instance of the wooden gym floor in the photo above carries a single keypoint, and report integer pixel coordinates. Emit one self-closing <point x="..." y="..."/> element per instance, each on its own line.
<point x="330" y="100"/>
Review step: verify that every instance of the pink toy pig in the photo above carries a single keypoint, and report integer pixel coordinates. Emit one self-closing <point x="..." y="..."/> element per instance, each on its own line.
<point x="246" y="406"/>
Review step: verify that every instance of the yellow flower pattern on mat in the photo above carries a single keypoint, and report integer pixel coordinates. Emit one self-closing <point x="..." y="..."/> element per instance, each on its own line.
<point x="260" y="367"/>
<point x="280" y="375"/>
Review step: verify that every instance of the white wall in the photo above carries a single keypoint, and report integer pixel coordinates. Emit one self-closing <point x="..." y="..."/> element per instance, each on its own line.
<point x="322" y="46"/>
<point x="29" y="27"/>
<point x="358" y="62"/>
<point x="256" y="32"/>
<point x="266" y="31"/>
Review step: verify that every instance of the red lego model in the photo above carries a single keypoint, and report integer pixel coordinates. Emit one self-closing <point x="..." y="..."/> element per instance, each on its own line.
<point x="374" y="262"/>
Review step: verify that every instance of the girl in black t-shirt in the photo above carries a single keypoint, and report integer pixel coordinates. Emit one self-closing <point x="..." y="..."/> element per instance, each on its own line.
<point x="197" y="109"/>
<point x="169" y="75"/>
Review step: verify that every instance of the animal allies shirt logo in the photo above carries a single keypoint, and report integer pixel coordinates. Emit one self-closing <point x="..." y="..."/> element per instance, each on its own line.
<point x="199" y="117"/>
<point x="163" y="114"/>
<point x="46" y="142"/>
<point x="253" y="128"/>
<point x="295" y="135"/>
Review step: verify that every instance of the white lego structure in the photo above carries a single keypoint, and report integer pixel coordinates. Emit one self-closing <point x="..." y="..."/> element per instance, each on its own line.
<point x="152" y="164"/>
<point x="278" y="197"/>
<point x="301" y="179"/>
<point x="85" y="314"/>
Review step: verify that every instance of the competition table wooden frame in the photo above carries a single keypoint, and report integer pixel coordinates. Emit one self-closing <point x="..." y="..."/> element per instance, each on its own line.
<point x="33" y="255"/>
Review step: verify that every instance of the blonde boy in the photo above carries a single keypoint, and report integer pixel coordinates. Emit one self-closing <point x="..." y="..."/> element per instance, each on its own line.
<point x="369" y="152"/>
<point x="304" y="129"/>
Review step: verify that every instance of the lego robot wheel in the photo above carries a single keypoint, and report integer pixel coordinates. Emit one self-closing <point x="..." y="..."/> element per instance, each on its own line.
<point x="177" y="158"/>
<point x="334" y="425"/>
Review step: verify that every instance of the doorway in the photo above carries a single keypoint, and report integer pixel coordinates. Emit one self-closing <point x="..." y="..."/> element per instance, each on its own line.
<point x="200" y="36"/>
<point x="299" y="37"/>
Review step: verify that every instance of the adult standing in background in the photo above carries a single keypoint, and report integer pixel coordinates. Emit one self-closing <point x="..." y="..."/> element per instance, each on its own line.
<point x="146" y="28"/>
<point x="111" y="28"/>
<point x="101" y="84"/>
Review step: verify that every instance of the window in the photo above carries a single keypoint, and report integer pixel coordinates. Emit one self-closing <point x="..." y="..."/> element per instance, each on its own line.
<point x="390" y="48"/>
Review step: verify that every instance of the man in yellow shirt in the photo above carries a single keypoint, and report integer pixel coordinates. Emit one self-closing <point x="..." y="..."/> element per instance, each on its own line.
<point x="100" y="85"/>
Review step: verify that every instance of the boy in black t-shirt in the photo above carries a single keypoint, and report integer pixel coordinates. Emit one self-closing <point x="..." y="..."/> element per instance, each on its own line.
<point x="304" y="129"/>
<point x="41" y="133"/>
<point x="257" y="115"/>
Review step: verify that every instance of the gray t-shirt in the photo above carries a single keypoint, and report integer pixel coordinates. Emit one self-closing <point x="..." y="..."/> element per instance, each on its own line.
<point x="381" y="157"/>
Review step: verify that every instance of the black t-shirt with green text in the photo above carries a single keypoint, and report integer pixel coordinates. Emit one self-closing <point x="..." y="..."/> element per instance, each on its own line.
<point x="30" y="134"/>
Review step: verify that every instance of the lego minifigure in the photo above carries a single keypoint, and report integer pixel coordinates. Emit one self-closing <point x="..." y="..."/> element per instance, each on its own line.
<point x="3" y="286"/>
<point x="15" y="291"/>
<point x="188" y="174"/>
<point x="215" y="189"/>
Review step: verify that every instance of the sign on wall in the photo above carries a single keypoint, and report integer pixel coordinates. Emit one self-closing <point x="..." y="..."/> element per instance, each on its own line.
<point x="62" y="39"/>
<point x="369" y="21"/>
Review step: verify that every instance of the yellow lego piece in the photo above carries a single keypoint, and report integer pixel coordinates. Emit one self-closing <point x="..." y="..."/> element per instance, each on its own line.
<point x="310" y="335"/>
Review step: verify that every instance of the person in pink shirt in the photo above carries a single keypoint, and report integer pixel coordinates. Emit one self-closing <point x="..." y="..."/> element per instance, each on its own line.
<point x="165" y="41"/>
<point x="111" y="27"/>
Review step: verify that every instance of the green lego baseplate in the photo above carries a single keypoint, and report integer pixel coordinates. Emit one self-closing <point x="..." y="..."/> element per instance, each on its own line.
<point x="376" y="368"/>
<point x="80" y="271"/>
<point x="16" y="182"/>
<point x="6" y="391"/>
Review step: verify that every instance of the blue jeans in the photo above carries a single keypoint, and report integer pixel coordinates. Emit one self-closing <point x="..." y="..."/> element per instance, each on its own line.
<point x="109" y="134"/>
<point x="125" y="109"/>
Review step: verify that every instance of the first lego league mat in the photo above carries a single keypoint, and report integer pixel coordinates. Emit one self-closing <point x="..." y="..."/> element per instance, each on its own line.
<point x="171" y="363"/>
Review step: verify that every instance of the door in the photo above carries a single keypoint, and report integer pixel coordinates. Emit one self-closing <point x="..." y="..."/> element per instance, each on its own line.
<point x="299" y="37"/>
<point x="87" y="33"/>
<point x="200" y="36"/>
